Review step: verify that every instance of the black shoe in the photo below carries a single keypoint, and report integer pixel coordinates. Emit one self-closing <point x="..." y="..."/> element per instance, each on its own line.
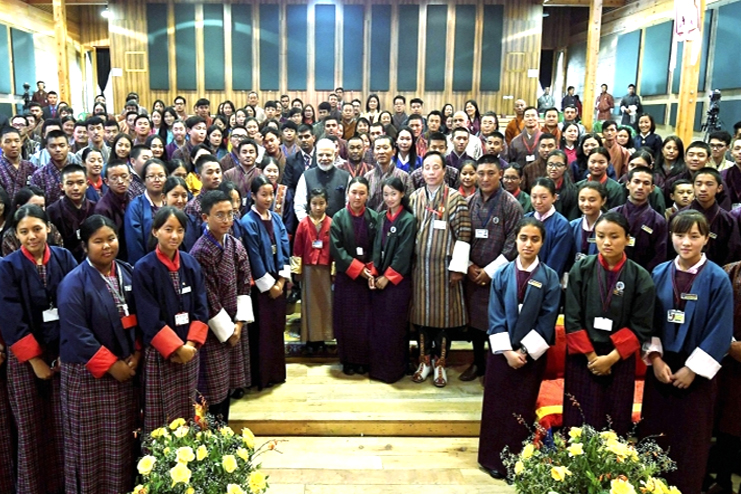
<point x="238" y="393"/>
<point x="496" y="474"/>
<point x="361" y="369"/>
<point x="348" y="370"/>
<point x="470" y="374"/>
<point x="294" y="296"/>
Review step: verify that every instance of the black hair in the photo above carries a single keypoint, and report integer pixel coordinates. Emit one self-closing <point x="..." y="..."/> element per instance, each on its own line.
<point x="24" y="195"/>
<point x="513" y="166"/>
<point x="641" y="169"/>
<point x="650" y="119"/>
<point x="258" y="182"/>
<point x="545" y="182"/>
<point x="396" y="184"/>
<point x="7" y="207"/>
<point x="677" y="183"/>
<point x="228" y="186"/>
<point x="709" y="171"/>
<point x="487" y="159"/>
<point x="560" y="154"/>
<point x="176" y="163"/>
<point x="114" y="162"/>
<point x="173" y="182"/>
<point x="72" y="168"/>
<point x="439" y="155"/>
<point x="54" y="134"/>
<point x="600" y="150"/>
<point x="152" y="138"/>
<point x="211" y="198"/>
<point x="617" y="218"/>
<point x="94" y="223"/>
<point x="530" y="221"/>
<point x="137" y="149"/>
<point x="378" y="100"/>
<point x="164" y="213"/>
<point x="246" y="142"/>
<point x="412" y="148"/>
<point x="120" y="137"/>
<point x="643" y="154"/>
<point x="684" y="220"/>
<point x="191" y="122"/>
<point x="680" y="151"/>
<point x="94" y="120"/>
<point x="318" y="192"/>
<point x="206" y="158"/>
<point x="359" y="180"/>
<point x="26" y="211"/>
<point x="700" y="145"/>
<point x="199" y="147"/>
<point x="151" y="162"/>
<point x="591" y="184"/>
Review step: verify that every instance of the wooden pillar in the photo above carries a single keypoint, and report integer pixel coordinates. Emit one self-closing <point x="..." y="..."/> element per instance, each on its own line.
<point x="60" y="34"/>
<point x="688" y="83"/>
<point x="590" y="74"/>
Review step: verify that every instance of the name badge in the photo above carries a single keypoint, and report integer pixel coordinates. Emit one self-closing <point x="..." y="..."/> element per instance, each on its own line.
<point x="439" y="224"/>
<point x="186" y="289"/>
<point x="536" y="284"/>
<point x="603" y="323"/>
<point x="244" y="201"/>
<point x="317" y="244"/>
<point x="689" y="296"/>
<point x="579" y="256"/>
<point x="713" y="235"/>
<point x="482" y="233"/>
<point x="647" y="229"/>
<point x="274" y="248"/>
<point x="592" y="240"/>
<point x="359" y="251"/>
<point x="127" y="288"/>
<point x="631" y="242"/>
<point x="675" y="316"/>
<point x="519" y="308"/>
<point x="51" y="315"/>
<point x="530" y="158"/>
<point x="182" y="319"/>
<point x="129" y="321"/>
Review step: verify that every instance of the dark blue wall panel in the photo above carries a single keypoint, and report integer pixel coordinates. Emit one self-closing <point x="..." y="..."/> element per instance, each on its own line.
<point x="185" y="46"/>
<point x="656" y="52"/>
<point x="241" y="47"/>
<point x="380" y="47"/>
<point x="728" y="40"/>
<point x="491" y="47"/>
<point x="269" y="47"/>
<point x="24" y="60"/>
<point x="353" y="34"/>
<point x="408" y="55"/>
<point x="5" y="85"/>
<point x="465" y="28"/>
<point x="628" y="46"/>
<point x="158" y="47"/>
<point x="703" y="56"/>
<point x="297" y="46"/>
<point x="699" y="116"/>
<point x="213" y="45"/>
<point x="656" y="111"/>
<point x="437" y="33"/>
<point x="324" y="34"/>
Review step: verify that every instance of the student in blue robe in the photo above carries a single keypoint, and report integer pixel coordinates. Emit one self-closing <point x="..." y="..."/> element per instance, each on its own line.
<point x="177" y="195"/>
<point x="693" y="328"/>
<point x="92" y="159"/>
<point x="170" y="298"/>
<point x="100" y="356"/>
<point x="592" y="198"/>
<point x="30" y="328"/>
<point x="608" y="314"/>
<point x="141" y="210"/>
<point x="559" y="241"/>
<point x="270" y="261"/>
<point x="523" y="308"/>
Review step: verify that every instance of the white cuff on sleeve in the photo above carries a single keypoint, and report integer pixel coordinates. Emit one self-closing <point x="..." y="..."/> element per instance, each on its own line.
<point x="244" y="309"/>
<point x="702" y="364"/>
<point x="285" y="272"/>
<point x="652" y="345"/>
<point x="265" y="283"/>
<point x="535" y="345"/>
<point x="459" y="262"/>
<point x="222" y="326"/>
<point x="497" y="263"/>
<point x="499" y="342"/>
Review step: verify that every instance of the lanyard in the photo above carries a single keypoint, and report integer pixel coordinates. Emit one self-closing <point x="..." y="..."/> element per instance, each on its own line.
<point x="529" y="149"/>
<point x="439" y="212"/>
<point x="606" y="298"/>
<point x="495" y="201"/>
<point x="678" y="291"/>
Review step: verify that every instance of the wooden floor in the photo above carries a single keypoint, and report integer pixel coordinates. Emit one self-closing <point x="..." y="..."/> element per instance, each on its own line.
<point x="318" y="400"/>
<point x="373" y="465"/>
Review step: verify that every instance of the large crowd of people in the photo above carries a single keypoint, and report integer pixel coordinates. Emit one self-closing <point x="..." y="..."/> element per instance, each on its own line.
<point x="148" y="258"/>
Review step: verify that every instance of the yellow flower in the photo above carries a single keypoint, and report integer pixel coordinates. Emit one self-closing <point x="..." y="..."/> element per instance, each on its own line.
<point x="159" y="432"/>
<point x="181" y="431"/>
<point x="234" y="489"/>
<point x="226" y="431"/>
<point x="201" y="452"/>
<point x="190" y="490"/>
<point x="198" y="435"/>
<point x="575" y="432"/>
<point x="673" y="490"/>
<point x="527" y="451"/>
<point x="229" y="462"/>
<point x="559" y="473"/>
<point x="140" y="489"/>
<point x="258" y="482"/>
<point x="248" y="438"/>
<point x="177" y="423"/>
<point x="180" y="474"/>
<point x="575" y="449"/>
<point x="608" y="436"/>
<point x="618" y="449"/>
<point x="185" y="454"/>
<point x="243" y="453"/>
<point x="619" y="486"/>
<point x="146" y="464"/>
<point x="166" y="451"/>
<point x="519" y="467"/>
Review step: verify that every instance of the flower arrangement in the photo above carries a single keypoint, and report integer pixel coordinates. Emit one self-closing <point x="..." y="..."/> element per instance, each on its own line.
<point x="584" y="460"/>
<point x="201" y="456"/>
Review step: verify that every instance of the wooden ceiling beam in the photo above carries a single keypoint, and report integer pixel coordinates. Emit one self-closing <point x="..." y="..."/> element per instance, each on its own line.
<point x="68" y="2"/>
<point x="582" y="3"/>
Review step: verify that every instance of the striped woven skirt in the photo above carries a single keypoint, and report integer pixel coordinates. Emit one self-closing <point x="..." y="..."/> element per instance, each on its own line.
<point x="170" y="389"/>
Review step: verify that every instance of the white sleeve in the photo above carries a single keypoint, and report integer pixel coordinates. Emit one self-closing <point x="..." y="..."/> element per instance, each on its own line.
<point x="702" y="364"/>
<point x="244" y="309"/>
<point x="459" y="261"/>
<point x="222" y="326"/>
<point x="651" y="346"/>
<point x="285" y="272"/>
<point x="499" y="342"/>
<point x="299" y="199"/>
<point x="265" y="283"/>
<point x="535" y="345"/>
<point x="497" y="263"/>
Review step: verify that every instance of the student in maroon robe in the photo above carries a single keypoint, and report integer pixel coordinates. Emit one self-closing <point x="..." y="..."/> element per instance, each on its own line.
<point x="70" y="211"/>
<point x="113" y="204"/>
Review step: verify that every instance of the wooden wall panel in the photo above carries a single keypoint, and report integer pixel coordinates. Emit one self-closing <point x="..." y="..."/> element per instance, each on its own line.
<point x="518" y="52"/>
<point x="93" y="26"/>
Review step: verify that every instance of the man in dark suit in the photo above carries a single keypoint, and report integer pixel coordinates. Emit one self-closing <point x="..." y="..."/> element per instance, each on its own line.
<point x="299" y="162"/>
<point x="51" y="111"/>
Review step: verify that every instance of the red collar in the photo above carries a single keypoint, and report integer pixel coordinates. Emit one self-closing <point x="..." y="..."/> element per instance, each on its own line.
<point x="602" y="180"/>
<point x="96" y="185"/>
<point x="517" y="192"/>
<point x="29" y="256"/>
<point x="173" y="265"/>
<point x="361" y="213"/>
<point x="393" y="218"/>
<point x="617" y="267"/>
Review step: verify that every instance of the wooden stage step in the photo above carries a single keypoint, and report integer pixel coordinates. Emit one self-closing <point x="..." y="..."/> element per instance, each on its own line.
<point x="375" y="465"/>
<point x="317" y="399"/>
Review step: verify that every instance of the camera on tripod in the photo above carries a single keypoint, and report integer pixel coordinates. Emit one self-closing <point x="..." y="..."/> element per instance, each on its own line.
<point x="712" y="122"/>
<point x="26" y="95"/>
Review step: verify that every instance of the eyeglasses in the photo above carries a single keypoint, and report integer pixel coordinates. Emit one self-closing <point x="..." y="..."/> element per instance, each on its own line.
<point x="224" y="216"/>
<point x="156" y="178"/>
<point x="556" y="165"/>
<point x="717" y="146"/>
